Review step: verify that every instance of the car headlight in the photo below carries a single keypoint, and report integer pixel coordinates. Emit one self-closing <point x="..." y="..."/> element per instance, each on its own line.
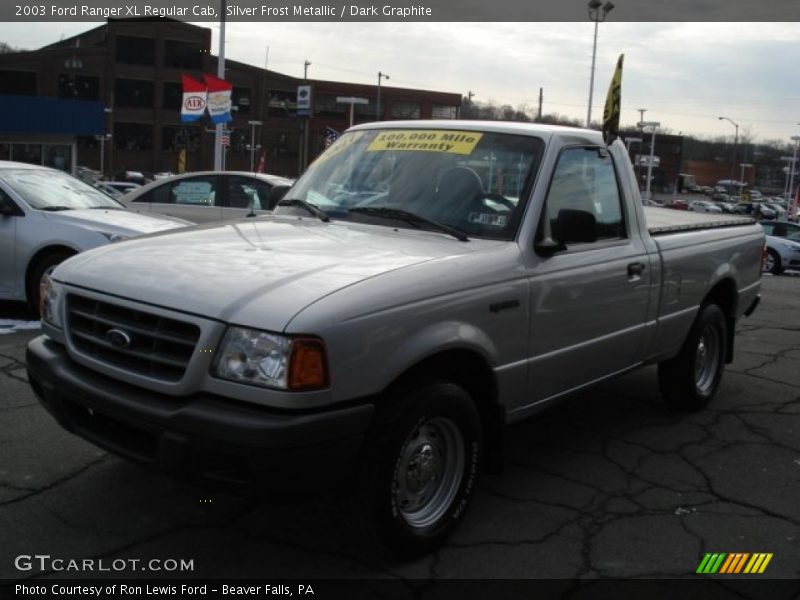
<point x="51" y="295"/>
<point x="272" y="360"/>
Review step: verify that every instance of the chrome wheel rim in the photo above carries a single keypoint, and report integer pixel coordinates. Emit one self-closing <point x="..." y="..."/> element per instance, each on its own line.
<point x="769" y="263"/>
<point x="429" y="472"/>
<point x="707" y="360"/>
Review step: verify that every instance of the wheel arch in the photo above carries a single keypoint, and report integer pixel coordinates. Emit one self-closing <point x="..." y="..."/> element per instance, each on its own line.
<point x="38" y="256"/>
<point x="724" y="295"/>
<point x="470" y="370"/>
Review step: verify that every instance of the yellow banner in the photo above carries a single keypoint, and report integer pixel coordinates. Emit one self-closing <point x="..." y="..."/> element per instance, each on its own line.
<point x="426" y="140"/>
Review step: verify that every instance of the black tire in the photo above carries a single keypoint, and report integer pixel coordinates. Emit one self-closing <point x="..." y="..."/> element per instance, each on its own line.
<point x="775" y="267"/>
<point x="44" y="265"/>
<point x="689" y="381"/>
<point x="421" y="468"/>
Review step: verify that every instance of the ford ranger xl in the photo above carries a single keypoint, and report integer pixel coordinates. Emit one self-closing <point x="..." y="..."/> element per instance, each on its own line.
<point x="420" y="286"/>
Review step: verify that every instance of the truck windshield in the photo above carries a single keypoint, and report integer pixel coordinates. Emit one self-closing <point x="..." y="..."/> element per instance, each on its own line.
<point x="47" y="189"/>
<point x="470" y="181"/>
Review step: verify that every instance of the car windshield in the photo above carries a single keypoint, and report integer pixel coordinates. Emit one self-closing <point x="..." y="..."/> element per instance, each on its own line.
<point x="47" y="189"/>
<point x="470" y="182"/>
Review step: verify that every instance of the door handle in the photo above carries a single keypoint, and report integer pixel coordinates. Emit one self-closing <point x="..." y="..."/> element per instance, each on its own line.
<point x="635" y="269"/>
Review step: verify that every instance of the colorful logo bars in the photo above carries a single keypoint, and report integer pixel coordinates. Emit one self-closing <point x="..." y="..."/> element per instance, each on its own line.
<point x="734" y="563"/>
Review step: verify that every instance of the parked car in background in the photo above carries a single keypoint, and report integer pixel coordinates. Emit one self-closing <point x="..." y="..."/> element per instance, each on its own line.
<point x="704" y="206"/>
<point x="780" y="212"/>
<point x="116" y="189"/>
<point x="46" y="216"/>
<point x="677" y="203"/>
<point x="209" y="196"/>
<point x="727" y="207"/>
<point x="783" y="246"/>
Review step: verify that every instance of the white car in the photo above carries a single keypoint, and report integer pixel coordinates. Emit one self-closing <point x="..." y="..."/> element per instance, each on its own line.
<point x="209" y="196"/>
<point x="704" y="206"/>
<point x="46" y="216"/>
<point x="783" y="246"/>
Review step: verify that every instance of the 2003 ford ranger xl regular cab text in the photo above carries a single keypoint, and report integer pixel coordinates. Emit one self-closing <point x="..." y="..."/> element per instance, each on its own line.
<point x="420" y="286"/>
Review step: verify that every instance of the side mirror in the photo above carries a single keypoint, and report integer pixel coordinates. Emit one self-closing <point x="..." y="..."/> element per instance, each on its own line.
<point x="571" y="227"/>
<point x="576" y="226"/>
<point x="276" y="193"/>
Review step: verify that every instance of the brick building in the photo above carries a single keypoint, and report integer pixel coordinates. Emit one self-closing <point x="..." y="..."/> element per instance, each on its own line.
<point x="131" y="70"/>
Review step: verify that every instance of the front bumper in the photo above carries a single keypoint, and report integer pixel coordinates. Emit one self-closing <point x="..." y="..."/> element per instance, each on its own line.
<point x="202" y="437"/>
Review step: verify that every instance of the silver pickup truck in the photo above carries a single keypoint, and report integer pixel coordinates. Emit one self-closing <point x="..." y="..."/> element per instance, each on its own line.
<point x="422" y="285"/>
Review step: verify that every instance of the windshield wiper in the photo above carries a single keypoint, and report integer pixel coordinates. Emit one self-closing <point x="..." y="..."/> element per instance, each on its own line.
<point x="313" y="209"/>
<point x="56" y="208"/>
<point x="409" y="217"/>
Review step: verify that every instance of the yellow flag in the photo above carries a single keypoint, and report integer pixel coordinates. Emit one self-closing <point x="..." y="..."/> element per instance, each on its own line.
<point x="182" y="161"/>
<point x="613" y="101"/>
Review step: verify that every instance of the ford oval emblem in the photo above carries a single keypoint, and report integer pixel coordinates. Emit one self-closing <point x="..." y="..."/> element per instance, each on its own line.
<point x="118" y="338"/>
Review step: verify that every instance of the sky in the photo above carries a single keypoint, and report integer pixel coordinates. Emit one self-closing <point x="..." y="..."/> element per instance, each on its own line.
<point x="685" y="74"/>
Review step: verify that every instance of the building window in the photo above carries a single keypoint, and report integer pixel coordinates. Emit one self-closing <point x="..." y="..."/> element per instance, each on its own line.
<point x="240" y="97"/>
<point x="443" y="112"/>
<point x="326" y="105"/>
<point x="27" y="153"/>
<point x="136" y="93"/>
<point x="282" y="104"/>
<point x="78" y="87"/>
<point x="136" y="50"/>
<point x="172" y="96"/>
<point x="406" y="110"/>
<point x="183" y="55"/>
<point x="5" y="151"/>
<point x="58" y="156"/>
<point x="133" y="136"/>
<point x="176" y="137"/>
<point x="21" y="83"/>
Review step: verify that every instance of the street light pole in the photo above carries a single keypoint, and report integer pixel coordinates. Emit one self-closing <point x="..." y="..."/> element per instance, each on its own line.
<point x="735" y="144"/>
<point x="796" y="140"/>
<point x="597" y="13"/>
<point x="378" y="103"/>
<point x="655" y="125"/>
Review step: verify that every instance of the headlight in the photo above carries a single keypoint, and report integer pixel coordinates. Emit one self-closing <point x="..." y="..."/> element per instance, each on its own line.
<point x="272" y="360"/>
<point x="50" y="297"/>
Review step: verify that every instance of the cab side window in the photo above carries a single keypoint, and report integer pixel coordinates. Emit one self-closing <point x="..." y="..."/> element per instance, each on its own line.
<point x="583" y="203"/>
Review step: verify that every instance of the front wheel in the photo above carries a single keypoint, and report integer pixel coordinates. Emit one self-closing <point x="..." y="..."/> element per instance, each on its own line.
<point x="421" y="468"/>
<point x="692" y="378"/>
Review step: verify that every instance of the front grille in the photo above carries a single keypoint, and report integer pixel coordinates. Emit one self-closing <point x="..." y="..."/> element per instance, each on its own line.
<point x="160" y="348"/>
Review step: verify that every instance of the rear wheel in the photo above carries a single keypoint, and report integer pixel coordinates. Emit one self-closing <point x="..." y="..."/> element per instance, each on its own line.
<point x="421" y="469"/>
<point x="692" y="378"/>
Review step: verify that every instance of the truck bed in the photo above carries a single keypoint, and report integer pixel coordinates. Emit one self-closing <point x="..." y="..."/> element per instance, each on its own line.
<point x="666" y="220"/>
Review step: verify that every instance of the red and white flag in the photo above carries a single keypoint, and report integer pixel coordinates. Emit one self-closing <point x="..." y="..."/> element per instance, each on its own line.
<point x="261" y="161"/>
<point x="219" y="99"/>
<point x="194" y="99"/>
<point x="794" y="205"/>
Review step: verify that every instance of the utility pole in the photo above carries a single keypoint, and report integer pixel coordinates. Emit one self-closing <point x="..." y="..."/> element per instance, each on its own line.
<point x="541" y="97"/>
<point x="221" y="74"/>
<point x="641" y="114"/>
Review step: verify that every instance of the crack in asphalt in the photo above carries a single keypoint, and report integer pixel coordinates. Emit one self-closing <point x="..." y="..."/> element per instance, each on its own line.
<point x="57" y="482"/>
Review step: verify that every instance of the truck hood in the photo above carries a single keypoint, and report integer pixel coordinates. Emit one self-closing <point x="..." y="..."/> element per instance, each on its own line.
<point x="256" y="272"/>
<point x="116" y="221"/>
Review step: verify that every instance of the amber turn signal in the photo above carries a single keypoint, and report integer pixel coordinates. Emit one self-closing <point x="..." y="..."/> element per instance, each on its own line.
<point x="308" y="365"/>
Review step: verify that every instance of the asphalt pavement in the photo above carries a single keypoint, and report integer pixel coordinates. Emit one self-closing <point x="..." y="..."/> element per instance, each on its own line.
<point x="611" y="483"/>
